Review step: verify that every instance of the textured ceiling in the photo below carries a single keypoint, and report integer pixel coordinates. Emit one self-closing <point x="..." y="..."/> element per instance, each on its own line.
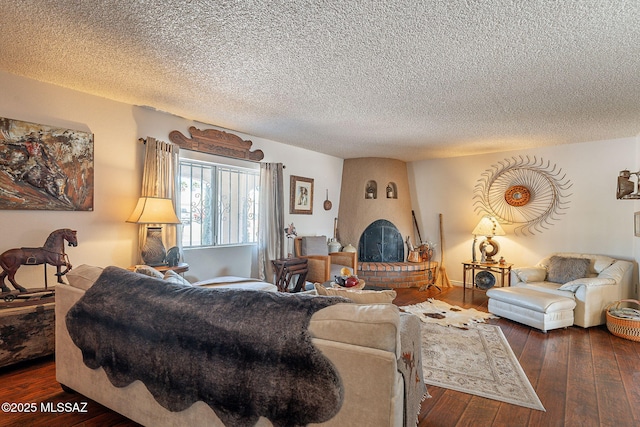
<point x="406" y="79"/>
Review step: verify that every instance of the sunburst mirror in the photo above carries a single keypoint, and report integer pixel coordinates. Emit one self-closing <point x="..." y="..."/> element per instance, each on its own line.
<point x="529" y="193"/>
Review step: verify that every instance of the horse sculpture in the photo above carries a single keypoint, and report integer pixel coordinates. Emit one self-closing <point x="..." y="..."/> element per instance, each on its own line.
<point x="51" y="253"/>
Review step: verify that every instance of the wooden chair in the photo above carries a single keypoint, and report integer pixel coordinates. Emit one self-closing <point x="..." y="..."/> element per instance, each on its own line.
<point x="323" y="266"/>
<point x="286" y="270"/>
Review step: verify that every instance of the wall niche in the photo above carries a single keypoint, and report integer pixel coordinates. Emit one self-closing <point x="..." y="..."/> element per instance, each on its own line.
<point x="392" y="190"/>
<point x="371" y="190"/>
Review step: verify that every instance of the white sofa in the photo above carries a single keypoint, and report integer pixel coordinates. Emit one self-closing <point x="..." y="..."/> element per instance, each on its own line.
<point x="607" y="280"/>
<point x="363" y="341"/>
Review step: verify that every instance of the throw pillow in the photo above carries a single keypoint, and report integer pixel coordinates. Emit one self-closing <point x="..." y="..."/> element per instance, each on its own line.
<point x="84" y="276"/>
<point x="531" y="274"/>
<point x="563" y="270"/>
<point x="574" y="285"/>
<point x="173" y="277"/>
<point x="359" y="296"/>
<point x="148" y="271"/>
<point x="314" y="245"/>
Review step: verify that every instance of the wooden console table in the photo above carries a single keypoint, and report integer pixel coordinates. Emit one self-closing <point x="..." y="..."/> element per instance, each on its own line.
<point x="501" y="269"/>
<point x="286" y="268"/>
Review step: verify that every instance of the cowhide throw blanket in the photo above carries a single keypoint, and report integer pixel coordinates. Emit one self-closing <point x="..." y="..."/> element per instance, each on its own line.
<point x="245" y="353"/>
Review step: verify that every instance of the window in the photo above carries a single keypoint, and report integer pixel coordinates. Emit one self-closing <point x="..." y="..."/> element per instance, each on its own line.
<point x="218" y="204"/>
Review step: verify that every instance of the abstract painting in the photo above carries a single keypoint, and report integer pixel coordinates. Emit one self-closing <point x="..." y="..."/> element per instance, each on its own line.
<point x="45" y="167"/>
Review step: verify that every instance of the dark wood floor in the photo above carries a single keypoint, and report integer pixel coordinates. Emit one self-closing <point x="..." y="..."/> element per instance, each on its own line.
<point x="584" y="377"/>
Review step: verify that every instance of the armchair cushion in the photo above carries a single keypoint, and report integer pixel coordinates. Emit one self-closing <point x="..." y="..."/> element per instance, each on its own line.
<point x="531" y="274"/>
<point x="573" y="285"/>
<point x="615" y="271"/>
<point x="148" y="271"/>
<point x="314" y="245"/>
<point x="563" y="270"/>
<point x="173" y="277"/>
<point x="367" y="325"/>
<point x="359" y="296"/>
<point x="84" y="276"/>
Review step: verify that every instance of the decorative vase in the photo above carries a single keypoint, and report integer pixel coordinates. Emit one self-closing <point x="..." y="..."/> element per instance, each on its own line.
<point x="153" y="252"/>
<point x="334" y="246"/>
<point x="349" y="248"/>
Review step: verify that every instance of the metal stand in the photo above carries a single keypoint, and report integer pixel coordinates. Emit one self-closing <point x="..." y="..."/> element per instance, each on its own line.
<point x="432" y="278"/>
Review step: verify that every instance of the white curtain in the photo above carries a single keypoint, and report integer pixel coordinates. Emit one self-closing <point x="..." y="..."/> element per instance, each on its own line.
<point x="271" y="240"/>
<point x="160" y="179"/>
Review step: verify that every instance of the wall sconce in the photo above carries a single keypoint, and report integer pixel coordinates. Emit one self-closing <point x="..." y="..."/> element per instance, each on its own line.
<point x="626" y="187"/>
<point x="154" y="210"/>
<point x="489" y="227"/>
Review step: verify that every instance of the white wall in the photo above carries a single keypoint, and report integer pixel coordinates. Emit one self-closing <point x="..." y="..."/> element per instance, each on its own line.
<point x="326" y="172"/>
<point x="104" y="236"/>
<point x="595" y="222"/>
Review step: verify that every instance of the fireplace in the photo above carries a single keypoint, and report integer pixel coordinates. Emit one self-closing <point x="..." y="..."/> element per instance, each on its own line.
<point x="381" y="242"/>
<point x="375" y="215"/>
<point x="381" y="259"/>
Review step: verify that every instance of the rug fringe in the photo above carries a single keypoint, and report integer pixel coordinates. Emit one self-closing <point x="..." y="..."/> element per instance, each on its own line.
<point x="425" y="396"/>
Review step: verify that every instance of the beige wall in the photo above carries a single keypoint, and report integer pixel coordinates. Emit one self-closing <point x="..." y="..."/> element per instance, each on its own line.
<point x="104" y="236"/>
<point x="595" y="222"/>
<point x="357" y="212"/>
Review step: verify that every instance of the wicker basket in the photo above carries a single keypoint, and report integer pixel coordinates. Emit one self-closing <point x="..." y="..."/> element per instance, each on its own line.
<point x="623" y="328"/>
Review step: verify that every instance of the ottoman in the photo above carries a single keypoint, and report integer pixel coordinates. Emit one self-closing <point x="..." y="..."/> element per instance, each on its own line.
<point x="540" y="310"/>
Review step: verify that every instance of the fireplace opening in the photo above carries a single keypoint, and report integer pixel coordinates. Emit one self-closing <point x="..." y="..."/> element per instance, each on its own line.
<point x="381" y="242"/>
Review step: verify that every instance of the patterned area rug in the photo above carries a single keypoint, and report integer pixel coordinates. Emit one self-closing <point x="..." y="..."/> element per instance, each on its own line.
<point x="476" y="360"/>
<point x="436" y="311"/>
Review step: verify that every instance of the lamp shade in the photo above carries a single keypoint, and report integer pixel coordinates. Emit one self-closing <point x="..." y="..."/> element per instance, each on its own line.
<point x="488" y="226"/>
<point x="154" y="210"/>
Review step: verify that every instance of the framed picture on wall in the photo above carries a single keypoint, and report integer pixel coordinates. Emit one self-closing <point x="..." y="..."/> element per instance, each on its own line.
<point x="45" y="167"/>
<point x="301" y="195"/>
<point x="636" y="224"/>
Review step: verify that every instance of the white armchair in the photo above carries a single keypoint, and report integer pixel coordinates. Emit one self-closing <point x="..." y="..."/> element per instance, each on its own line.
<point x="605" y="280"/>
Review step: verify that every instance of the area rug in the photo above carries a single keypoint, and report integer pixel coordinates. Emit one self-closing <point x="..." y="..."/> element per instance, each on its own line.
<point x="441" y="313"/>
<point x="476" y="360"/>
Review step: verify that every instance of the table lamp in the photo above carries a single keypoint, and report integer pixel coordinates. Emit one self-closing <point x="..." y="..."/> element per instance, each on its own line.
<point x="154" y="210"/>
<point x="488" y="227"/>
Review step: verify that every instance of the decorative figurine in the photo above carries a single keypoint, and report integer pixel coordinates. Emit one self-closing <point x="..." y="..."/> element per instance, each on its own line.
<point x="291" y="234"/>
<point x="51" y="253"/>
<point x="173" y="256"/>
<point x="626" y="186"/>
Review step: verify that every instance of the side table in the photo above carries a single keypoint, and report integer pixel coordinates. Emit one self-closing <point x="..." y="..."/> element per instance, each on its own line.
<point x="501" y="269"/>
<point x="286" y="268"/>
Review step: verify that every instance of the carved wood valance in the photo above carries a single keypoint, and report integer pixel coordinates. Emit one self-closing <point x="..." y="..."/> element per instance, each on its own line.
<point x="213" y="141"/>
